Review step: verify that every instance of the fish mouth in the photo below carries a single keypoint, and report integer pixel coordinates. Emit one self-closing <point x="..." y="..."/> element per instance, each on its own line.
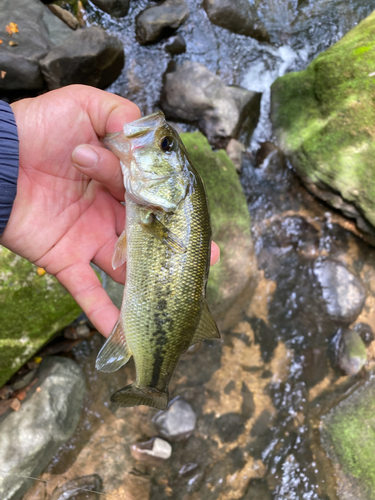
<point x="144" y="125"/>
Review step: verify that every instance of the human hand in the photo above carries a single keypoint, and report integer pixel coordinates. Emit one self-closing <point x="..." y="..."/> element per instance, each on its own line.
<point x="67" y="212"/>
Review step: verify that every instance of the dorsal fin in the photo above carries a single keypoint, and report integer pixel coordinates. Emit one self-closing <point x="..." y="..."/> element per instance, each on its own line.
<point x="207" y="327"/>
<point x="115" y="352"/>
<point x="120" y="253"/>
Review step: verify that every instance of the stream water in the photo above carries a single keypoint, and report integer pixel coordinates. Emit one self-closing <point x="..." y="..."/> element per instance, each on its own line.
<point x="259" y="394"/>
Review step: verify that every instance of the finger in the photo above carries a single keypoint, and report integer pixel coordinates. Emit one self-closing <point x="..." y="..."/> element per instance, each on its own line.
<point x="215" y="254"/>
<point x="85" y="287"/>
<point x="101" y="165"/>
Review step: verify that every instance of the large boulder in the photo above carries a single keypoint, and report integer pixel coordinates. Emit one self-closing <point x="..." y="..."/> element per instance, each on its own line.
<point x="160" y="20"/>
<point x="32" y="309"/>
<point x="324" y="119"/>
<point x="90" y="56"/>
<point x="30" y="437"/>
<point x="116" y="8"/>
<point x="193" y="94"/>
<point x="237" y="16"/>
<point x="39" y="31"/>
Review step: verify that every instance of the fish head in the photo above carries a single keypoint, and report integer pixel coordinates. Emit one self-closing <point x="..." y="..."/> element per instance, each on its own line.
<point x="154" y="162"/>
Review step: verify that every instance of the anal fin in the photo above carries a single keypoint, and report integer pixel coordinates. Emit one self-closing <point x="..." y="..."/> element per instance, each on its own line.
<point x="115" y="352"/>
<point x="207" y="327"/>
<point x="120" y="253"/>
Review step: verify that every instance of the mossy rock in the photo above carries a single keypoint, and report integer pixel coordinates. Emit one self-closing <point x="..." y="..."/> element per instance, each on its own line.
<point x="324" y="119"/>
<point x="349" y="439"/>
<point x="230" y="220"/>
<point x="32" y="309"/>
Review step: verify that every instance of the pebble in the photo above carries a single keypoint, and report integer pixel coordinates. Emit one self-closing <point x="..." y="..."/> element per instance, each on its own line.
<point x="152" y="452"/>
<point x="349" y="351"/>
<point x="177" y="422"/>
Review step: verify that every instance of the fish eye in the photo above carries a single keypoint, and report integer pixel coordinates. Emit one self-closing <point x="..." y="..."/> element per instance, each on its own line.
<point x="166" y="143"/>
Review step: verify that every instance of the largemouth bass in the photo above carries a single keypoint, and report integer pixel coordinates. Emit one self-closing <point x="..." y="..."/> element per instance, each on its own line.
<point x="166" y="244"/>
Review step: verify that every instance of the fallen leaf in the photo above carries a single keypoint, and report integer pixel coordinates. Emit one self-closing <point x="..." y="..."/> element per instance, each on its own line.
<point x="15" y="404"/>
<point x="2" y="74"/>
<point x="1" y="40"/>
<point x="12" y="28"/>
<point x="13" y="44"/>
<point x="40" y="271"/>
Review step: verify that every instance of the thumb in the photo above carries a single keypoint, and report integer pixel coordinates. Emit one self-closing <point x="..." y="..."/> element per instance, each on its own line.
<point x="101" y="165"/>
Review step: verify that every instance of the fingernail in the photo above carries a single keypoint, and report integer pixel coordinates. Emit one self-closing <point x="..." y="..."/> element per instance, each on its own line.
<point x="84" y="156"/>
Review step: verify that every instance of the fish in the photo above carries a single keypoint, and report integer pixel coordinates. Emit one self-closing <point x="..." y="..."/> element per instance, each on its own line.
<point x="166" y="245"/>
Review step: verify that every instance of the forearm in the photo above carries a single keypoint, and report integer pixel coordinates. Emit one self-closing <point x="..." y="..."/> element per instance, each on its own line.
<point x="9" y="163"/>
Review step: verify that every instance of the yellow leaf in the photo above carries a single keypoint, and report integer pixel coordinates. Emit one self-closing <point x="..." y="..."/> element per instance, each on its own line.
<point x="13" y="44"/>
<point x="40" y="271"/>
<point x="1" y="40"/>
<point x="38" y="359"/>
<point x="12" y="28"/>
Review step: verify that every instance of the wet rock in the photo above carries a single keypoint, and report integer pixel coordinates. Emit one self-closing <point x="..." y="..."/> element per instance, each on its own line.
<point x="235" y="150"/>
<point x="65" y="16"/>
<point x="349" y="351"/>
<point x="365" y="332"/>
<point x="80" y="485"/>
<point x="326" y="140"/>
<point x="177" y="422"/>
<point x="230" y="426"/>
<point x="342" y="291"/>
<point x="153" y="452"/>
<point x="234" y="276"/>
<point x="21" y="289"/>
<point x="262" y="424"/>
<point x="90" y="56"/>
<point x="77" y="332"/>
<point x="193" y="94"/>
<point x="160" y="20"/>
<point x="23" y="380"/>
<point x="175" y="45"/>
<point x="39" y="32"/>
<point x="258" y="489"/>
<point x="187" y="469"/>
<point x="116" y="8"/>
<point x="238" y="16"/>
<point x="51" y="413"/>
<point x="349" y="440"/>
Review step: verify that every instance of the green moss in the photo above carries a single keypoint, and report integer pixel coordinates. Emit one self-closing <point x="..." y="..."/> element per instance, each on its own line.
<point x="349" y="436"/>
<point x="324" y="118"/>
<point x="228" y="207"/>
<point x="32" y="309"/>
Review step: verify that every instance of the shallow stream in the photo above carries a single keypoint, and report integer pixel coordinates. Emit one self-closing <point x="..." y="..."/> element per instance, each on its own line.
<point x="259" y="393"/>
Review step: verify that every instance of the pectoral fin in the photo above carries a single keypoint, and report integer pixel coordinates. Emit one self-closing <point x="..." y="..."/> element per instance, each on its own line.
<point x="120" y="253"/>
<point x="207" y="328"/>
<point x="157" y="229"/>
<point x="115" y="352"/>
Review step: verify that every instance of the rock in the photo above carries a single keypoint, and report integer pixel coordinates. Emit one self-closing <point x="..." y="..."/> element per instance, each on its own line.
<point x="175" y="45"/>
<point x="238" y="16"/>
<point x="90" y="56"/>
<point x="235" y="150"/>
<point x="77" y="332"/>
<point x="77" y="486"/>
<point x="39" y="32"/>
<point x="116" y="8"/>
<point x="342" y="291"/>
<point x="193" y="94"/>
<point x="322" y="117"/>
<point x="349" y="440"/>
<point x="153" y="452"/>
<point x="349" y="351"/>
<point x="46" y="308"/>
<point x="236" y="272"/>
<point x="65" y="16"/>
<point x="230" y="426"/>
<point x="161" y="20"/>
<point x="187" y="469"/>
<point x="365" y="332"/>
<point x="24" y="380"/>
<point x="51" y="413"/>
<point x="177" y="422"/>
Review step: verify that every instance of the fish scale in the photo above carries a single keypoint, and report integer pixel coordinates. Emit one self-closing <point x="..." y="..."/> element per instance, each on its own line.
<point x="164" y="308"/>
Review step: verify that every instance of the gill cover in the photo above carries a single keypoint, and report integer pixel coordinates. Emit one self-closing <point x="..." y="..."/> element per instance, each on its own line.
<point x="153" y="161"/>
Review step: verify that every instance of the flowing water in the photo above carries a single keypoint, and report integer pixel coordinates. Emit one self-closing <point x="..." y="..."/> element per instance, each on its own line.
<point x="259" y="394"/>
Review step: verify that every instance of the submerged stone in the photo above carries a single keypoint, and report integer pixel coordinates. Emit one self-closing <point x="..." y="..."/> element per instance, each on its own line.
<point x="32" y="309"/>
<point x="323" y="118"/>
<point x="349" y="439"/>
<point x="177" y="422"/>
<point x="77" y="487"/>
<point x="153" y="452"/>
<point x="48" y="418"/>
<point x="349" y="351"/>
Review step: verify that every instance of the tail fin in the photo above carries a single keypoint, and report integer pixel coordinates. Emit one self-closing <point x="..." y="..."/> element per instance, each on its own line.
<point x="131" y="395"/>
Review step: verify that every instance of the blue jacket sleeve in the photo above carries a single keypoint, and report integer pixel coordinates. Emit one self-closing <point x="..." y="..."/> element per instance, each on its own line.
<point x="9" y="161"/>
